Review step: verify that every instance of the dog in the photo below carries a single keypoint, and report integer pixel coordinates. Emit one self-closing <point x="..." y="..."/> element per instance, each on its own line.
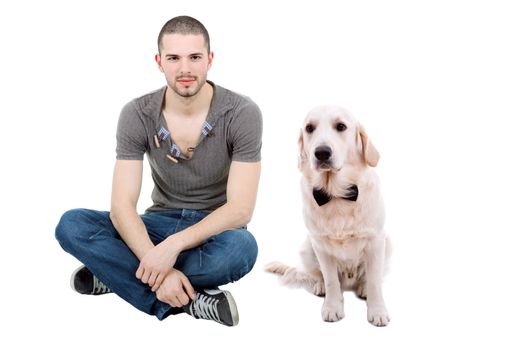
<point x="347" y="248"/>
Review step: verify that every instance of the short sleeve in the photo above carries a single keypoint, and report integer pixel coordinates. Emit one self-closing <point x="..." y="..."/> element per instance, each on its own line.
<point x="131" y="134"/>
<point x="246" y="133"/>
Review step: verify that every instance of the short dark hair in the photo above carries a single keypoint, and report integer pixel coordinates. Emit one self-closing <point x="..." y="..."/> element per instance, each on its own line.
<point x="184" y="25"/>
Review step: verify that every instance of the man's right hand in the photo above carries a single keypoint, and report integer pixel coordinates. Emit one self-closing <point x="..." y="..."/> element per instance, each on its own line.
<point x="176" y="290"/>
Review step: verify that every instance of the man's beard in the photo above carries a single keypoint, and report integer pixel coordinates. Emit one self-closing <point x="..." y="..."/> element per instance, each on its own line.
<point x="188" y="91"/>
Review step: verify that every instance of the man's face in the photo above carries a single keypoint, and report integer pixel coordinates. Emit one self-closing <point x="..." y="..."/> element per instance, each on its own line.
<point x="185" y="61"/>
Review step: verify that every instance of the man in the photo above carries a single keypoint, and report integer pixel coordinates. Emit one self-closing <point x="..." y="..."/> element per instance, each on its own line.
<point x="203" y="144"/>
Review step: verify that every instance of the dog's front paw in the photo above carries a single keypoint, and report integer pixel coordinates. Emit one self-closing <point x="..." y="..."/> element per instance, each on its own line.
<point x="378" y="316"/>
<point x="333" y="312"/>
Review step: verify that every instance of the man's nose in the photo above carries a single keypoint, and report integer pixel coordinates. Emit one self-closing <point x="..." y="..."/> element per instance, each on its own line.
<point x="185" y="66"/>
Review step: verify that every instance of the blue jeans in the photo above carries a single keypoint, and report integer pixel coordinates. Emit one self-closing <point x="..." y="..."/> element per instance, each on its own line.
<point x="90" y="236"/>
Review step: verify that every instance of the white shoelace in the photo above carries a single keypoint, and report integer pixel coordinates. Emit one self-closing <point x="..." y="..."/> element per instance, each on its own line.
<point x="205" y="307"/>
<point x="99" y="287"/>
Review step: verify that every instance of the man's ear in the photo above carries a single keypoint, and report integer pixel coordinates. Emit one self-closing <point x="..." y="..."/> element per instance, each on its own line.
<point x="369" y="152"/>
<point x="210" y="59"/>
<point x="157" y="59"/>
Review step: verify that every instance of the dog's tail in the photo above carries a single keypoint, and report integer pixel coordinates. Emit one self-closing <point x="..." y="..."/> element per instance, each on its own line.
<point x="277" y="267"/>
<point x="296" y="278"/>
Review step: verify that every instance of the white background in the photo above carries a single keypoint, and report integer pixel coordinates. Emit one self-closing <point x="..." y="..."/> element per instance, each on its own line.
<point x="440" y="86"/>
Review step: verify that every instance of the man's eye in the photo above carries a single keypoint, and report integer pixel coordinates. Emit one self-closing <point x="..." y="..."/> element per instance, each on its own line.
<point x="340" y="127"/>
<point x="195" y="58"/>
<point x="309" y="128"/>
<point x="172" y="58"/>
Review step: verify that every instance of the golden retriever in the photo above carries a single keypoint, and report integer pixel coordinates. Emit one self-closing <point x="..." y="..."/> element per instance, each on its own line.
<point x="347" y="248"/>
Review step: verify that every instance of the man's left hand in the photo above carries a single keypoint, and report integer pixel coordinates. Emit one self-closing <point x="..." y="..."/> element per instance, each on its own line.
<point x="156" y="263"/>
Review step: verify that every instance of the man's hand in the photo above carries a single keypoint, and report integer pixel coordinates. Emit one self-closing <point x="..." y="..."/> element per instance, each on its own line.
<point x="176" y="289"/>
<point x="156" y="264"/>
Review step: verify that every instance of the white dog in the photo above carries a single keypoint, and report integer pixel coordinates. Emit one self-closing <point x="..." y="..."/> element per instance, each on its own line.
<point x="347" y="248"/>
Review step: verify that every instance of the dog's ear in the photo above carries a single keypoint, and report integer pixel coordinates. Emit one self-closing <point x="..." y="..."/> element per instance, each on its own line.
<point x="370" y="153"/>
<point x="302" y="154"/>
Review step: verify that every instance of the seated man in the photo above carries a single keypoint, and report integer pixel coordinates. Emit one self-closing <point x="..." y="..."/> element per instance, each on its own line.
<point x="203" y="144"/>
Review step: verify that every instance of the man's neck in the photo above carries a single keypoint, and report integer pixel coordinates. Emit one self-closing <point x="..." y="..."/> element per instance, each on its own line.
<point x="188" y="106"/>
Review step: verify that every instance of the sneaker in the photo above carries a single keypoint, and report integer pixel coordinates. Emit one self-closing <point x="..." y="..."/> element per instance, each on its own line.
<point x="84" y="282"/>
<point x="216" y="305"/>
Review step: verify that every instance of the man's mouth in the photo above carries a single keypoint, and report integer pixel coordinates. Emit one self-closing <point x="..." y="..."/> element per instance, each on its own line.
<point x="185" y="81"/>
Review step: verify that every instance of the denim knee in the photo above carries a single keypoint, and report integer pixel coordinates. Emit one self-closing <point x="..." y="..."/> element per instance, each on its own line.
<point x="69" y="228"/>
<point x="244" y="253"/>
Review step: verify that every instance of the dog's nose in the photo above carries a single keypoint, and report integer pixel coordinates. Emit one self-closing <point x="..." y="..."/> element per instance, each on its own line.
<point x="323" y="153"/>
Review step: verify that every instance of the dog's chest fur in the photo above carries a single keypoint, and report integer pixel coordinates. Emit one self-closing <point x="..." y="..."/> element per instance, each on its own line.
<point x="338" y="234"/>
<point x="342" y="227"/>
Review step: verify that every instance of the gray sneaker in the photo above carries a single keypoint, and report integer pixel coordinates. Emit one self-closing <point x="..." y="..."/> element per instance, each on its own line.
<point x="216" y="305"/>
<point x="84" y="282"/>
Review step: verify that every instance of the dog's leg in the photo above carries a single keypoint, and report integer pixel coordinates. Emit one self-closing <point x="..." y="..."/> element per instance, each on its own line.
<point x="374" y="264"/>
<point x="360" y="285"/>
<point x="360" y="290"/>
<point x="333" y="307"/>
<point x="311" y="266"/>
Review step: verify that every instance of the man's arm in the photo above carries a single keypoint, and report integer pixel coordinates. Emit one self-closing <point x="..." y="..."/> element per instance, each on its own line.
<point x="127" y="182"/>
<point x="241" y="193"/>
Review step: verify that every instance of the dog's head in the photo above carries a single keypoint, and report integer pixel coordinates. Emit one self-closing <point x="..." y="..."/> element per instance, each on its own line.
<point x="331" y="138"/>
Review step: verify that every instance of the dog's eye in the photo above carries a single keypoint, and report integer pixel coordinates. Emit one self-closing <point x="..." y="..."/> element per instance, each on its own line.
<point x="340" y="127"/>
<point x="309" y="128"/>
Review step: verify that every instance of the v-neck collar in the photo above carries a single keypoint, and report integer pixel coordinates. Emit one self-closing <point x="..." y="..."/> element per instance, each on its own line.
<point x="220" y="103"/>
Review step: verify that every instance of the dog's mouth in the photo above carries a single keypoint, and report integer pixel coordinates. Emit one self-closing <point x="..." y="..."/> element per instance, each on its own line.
<point x="324" y="166"/>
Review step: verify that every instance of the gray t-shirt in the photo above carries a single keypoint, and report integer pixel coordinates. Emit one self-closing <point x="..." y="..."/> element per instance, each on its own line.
<point x="232" y="131"/>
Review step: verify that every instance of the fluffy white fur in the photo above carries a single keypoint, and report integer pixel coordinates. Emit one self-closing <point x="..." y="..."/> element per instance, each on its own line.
<point x="347" y="248"/>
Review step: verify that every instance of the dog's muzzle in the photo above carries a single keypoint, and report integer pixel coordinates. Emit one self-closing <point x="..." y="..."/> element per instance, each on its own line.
<point x="323" y="157"/>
